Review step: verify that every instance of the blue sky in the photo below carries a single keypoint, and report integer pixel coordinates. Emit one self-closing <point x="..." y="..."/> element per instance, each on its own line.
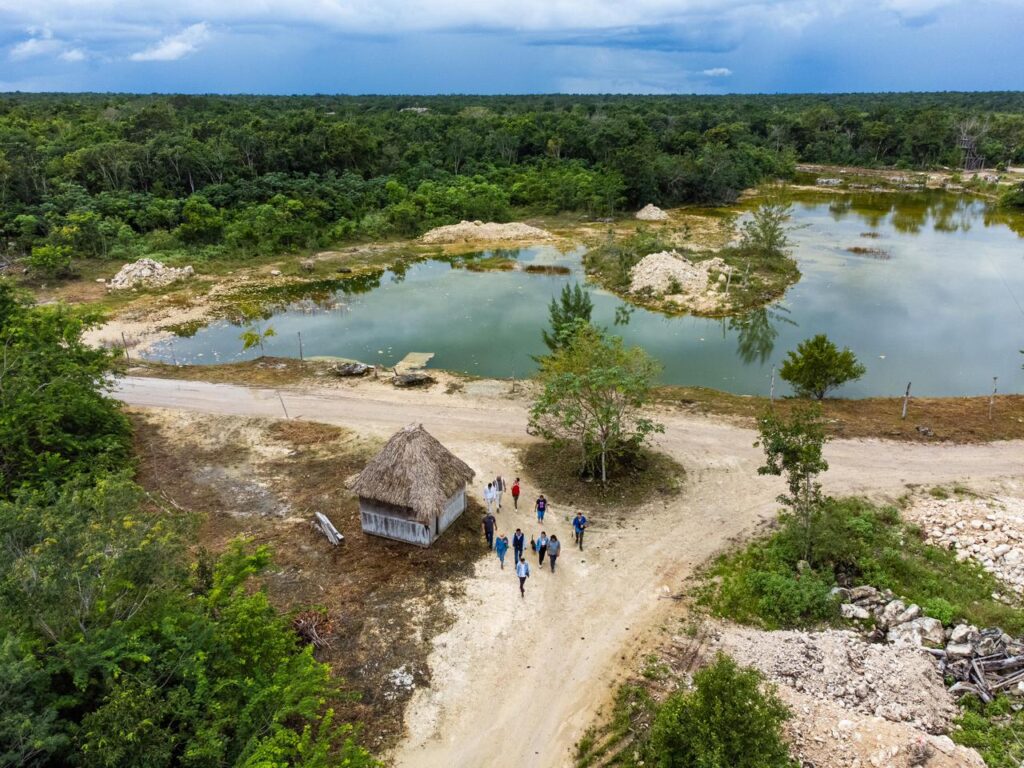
<point x="515" y="46"/>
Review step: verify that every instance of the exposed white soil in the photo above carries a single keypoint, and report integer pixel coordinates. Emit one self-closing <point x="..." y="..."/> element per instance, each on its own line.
<point x="148" y="273"/>
<point x="474" y="231"/>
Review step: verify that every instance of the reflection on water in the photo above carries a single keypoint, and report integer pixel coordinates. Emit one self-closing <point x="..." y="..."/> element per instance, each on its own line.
<point x="943" y="311"/>
<point x="756" y="332"/>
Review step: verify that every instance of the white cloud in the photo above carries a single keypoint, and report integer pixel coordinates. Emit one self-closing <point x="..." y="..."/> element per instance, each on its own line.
<point x="400" y="15"/>
<point x="717" y="72"/>
<point x="73" y="55"/>
<point x="41" y="43"/>
<point x="174" y="47"/>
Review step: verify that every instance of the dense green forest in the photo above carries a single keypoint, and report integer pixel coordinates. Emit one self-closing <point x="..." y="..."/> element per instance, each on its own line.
<point x="118" y="176"/>
<point x="118" y="648"/>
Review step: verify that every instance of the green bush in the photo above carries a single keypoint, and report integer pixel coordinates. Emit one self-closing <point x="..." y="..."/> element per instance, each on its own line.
<point x="855" y="543"/>
<point x="941" y="609"/>
<point x="818" y="366"/>
<point x="729" y="720"/>
<point x="50" y="260"/>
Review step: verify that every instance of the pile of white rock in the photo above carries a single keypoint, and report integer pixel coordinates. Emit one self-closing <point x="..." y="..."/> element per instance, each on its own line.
<point x="989" y="531"/>
<point x="651" y="212"/>
<point x="148" y="273"/>
<point x="982" y="662"/>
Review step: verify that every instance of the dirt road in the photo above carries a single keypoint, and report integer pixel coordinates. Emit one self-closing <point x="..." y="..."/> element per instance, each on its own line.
<point x="516" y="681"/>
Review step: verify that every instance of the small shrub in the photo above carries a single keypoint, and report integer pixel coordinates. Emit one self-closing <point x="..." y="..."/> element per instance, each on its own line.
<point x="993" y="730"/>
<point x="940" y="608"/>
<point x="729" y="719"/>
<point x="50" y="260"/>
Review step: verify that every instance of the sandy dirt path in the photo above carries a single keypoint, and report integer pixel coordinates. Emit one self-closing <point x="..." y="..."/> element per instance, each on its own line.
<point x="516" y="681"/>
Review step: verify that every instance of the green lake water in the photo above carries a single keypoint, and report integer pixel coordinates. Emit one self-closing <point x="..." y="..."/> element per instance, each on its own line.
<point x="945" y="310"/>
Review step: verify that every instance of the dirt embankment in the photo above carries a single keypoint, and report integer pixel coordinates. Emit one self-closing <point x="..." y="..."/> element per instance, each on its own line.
<point x="853" y="703"/>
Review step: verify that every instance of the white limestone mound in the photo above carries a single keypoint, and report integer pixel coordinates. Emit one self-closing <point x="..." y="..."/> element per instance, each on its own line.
<point x="669" y="273"/>
<point x="473" y="231"/>
<point x="651" y="213"/>
<point x="148" y="273"/>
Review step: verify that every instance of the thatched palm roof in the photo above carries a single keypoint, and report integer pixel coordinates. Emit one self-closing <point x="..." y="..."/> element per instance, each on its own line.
<point x="414" y="471"/>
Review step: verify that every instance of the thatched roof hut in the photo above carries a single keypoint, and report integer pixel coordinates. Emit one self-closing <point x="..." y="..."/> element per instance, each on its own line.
<point x="413" y="489"/>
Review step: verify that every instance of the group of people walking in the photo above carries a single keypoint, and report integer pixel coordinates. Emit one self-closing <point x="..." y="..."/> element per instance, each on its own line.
<point x="543" y="545"/>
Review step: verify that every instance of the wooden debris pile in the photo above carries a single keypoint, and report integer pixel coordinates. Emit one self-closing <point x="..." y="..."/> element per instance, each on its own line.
<point x="313" y="627"/>
<point x="985" y="663"/>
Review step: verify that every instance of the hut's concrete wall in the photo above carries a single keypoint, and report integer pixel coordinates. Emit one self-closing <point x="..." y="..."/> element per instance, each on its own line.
<point x="384" y="520"/>
<point x="394" y="523"/>
<point x="454" y="507"/>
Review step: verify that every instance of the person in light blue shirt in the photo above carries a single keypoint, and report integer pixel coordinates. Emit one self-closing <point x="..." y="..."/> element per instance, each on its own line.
<point x="501" y="547"/>
<point x="542" y="547"/>
<point x="523" y="572"/>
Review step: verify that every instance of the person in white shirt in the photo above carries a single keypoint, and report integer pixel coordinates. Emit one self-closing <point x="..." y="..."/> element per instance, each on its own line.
<point x="523" y="572"/>
<point x="499" y="489"/>
<point x="489" y="498"/>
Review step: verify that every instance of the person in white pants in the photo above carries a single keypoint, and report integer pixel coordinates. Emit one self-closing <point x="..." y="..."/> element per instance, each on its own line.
<point x="490" y="497"/>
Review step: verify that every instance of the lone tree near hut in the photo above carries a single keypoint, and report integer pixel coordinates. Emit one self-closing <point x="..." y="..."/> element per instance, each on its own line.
<point x="594" y="391"/>
<point x="572" y="306"/>
<point x="793" y="447"/>
<point x="818" y="366"/>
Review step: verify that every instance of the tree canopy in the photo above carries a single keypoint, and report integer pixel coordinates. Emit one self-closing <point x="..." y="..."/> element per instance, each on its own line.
<point x="594" y="390"/>
<point x="116" y="176"/>
<point x="818" y="366"/>
<point x="115" y="649"/>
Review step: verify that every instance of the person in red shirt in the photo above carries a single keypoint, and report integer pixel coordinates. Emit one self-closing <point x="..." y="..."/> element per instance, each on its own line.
<point x="515" y="493"/>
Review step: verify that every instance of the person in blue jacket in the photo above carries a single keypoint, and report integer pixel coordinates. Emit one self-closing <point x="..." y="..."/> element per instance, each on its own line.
<point x="579" y="525"/>
<point x="501" y="547"/>
<point x="542" y="547"/>
<point x="523" y="572"/>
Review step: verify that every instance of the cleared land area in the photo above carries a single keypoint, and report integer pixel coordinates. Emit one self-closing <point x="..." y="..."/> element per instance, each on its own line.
<point x="525" y="677"/>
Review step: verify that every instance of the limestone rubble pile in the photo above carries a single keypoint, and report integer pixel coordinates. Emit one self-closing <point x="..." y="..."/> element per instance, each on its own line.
<point x="669" y="273"/>
<point x="983" y="662"/>
<point x="989" y="531"/>
<point x="473" y="231"/>
<point x="895" y="682"/>
<point x="148" y="273"/>
<point x="651" y="213"/>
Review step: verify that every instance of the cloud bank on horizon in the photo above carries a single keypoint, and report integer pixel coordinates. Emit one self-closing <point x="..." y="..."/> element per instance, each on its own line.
<point x="522" y="46"/>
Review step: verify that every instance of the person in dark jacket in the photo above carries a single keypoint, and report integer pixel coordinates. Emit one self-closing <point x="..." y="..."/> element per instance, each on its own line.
<point x="488" y="525"/>
<point x="518" y="544"/>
